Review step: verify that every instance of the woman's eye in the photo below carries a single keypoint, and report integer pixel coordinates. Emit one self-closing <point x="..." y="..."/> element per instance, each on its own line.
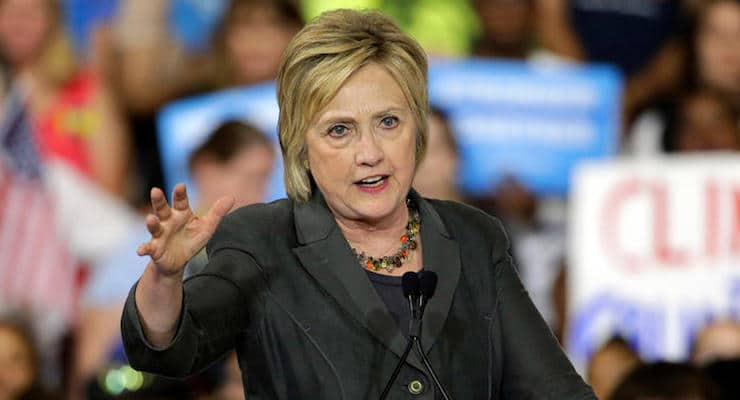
<point x="389" y="122"/>
<point x="338" y="130"/>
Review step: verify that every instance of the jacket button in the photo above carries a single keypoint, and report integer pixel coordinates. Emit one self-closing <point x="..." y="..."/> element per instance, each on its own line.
<point x="416" y="387"/>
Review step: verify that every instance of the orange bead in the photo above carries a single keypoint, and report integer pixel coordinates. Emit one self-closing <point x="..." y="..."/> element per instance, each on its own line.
<point x="404" y="239"/>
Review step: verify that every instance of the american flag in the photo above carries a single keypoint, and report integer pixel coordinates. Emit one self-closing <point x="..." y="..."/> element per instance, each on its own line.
<point x="37" y="271"/>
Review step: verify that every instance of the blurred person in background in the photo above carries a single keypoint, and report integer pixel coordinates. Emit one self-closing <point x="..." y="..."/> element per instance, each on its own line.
<point x="714" y="52"/>
<point x="716" y="349"/>
<point x="63" y="162"/>
<point x="436" y="176"/>
<point x="705" y="121"/>
<point x="609" y="365"/>
<point x="717" y="48"/>
<point x="641" y="38"/>
<point x="507" y="28"/>
<point x="509" y="31"/>
<point x="19" y="369"/>
<point x="717" y="341"/>
<point x="236" y="160"/>
<point x="249" y="43"/>
<point x="666" y="381"/>
<point x="153" y="68"/>
<point x="73" y="115"/>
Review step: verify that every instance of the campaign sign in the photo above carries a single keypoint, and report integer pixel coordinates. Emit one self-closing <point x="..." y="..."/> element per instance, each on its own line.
<point x="530" y="121"/>
<point x="654" y="252"/>
<point x="185" y="124"/>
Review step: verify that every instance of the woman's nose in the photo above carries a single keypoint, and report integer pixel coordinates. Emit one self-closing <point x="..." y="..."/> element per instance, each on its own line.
<point x="369" y="149"/>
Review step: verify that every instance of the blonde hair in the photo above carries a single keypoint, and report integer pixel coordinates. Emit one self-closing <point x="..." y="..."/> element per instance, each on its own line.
<point x="319" y="60"/>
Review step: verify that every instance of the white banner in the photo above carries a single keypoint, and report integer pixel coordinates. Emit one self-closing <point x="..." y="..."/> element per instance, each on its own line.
<point x="654" y="252"/>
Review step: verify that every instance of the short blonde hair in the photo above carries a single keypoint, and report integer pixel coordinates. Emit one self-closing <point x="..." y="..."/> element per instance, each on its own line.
<point x="319" y="60"/>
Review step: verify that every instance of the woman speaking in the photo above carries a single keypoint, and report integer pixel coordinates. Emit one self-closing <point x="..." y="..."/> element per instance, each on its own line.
<point x="308" y="289"/>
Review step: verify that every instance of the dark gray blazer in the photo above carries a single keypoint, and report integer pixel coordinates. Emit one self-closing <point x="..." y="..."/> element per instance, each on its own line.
<point x="283" y="288"/>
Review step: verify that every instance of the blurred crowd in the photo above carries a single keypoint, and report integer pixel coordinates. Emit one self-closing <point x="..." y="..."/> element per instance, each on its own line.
<point x="79" y="153"/>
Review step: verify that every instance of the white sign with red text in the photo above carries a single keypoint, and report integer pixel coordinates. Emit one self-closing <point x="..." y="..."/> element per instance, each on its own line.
<point x="654" y="252"/>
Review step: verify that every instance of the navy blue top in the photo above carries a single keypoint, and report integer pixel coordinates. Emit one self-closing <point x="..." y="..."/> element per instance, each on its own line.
<point x="391" y="292"/>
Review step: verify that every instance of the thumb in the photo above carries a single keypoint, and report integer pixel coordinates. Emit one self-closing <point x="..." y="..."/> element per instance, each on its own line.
<point x="220" y="208"/>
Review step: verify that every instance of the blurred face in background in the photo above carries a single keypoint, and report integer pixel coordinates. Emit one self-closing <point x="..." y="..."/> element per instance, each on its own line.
<point x="507" y="25"/>
<point x="256" y="36"/>
<point x="608" y="366"/>
<point x="436" y="176"/>
<point x="706" y="123"/>
<point x="245" y="176"/>
<point x="16" y="364"/>
<point x="718" y="46"/>
<point x="24" y="27"/>
<point x="718" y="341"/>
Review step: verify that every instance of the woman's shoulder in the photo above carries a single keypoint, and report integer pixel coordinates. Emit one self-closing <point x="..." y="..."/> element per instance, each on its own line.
<point x="459" y="216"/>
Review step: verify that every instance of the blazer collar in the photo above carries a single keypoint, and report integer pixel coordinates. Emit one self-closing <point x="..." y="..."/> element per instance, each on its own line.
<point x="326" y="255"/>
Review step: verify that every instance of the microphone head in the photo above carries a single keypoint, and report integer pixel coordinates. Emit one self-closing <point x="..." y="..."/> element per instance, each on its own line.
<point x="410" y="284"/>
<point x="428" y="283"/>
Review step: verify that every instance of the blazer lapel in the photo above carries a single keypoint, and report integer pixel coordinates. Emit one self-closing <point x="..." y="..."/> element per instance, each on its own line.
<point x="441" y="254"/>
<point x="326" y="255"/>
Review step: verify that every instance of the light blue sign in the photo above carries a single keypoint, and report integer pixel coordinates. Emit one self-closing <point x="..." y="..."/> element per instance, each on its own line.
<point x="533" y="122"/>
<point x="185" y="124"/>
<point x="511" y="119"/>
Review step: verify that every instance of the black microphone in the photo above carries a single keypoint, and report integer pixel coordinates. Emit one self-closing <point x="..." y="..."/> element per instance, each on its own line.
<point x="427" y="286"/>
<point x="411" y="286"/>
<point x="418" y="288"/>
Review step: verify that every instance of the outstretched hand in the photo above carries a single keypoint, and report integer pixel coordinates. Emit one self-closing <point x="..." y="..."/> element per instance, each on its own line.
<point x="177" y="233"/>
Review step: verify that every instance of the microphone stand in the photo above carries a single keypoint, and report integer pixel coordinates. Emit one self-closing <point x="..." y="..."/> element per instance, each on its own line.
<point x="418" y="291"/>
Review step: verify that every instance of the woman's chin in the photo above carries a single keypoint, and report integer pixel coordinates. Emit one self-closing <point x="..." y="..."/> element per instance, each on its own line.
<point x="377" y="210"/>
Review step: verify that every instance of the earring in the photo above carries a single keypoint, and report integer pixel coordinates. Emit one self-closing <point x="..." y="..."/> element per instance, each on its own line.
<point x="306" y="165"/>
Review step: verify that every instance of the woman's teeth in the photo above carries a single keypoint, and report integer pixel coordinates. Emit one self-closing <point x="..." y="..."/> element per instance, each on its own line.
<point x="372" y="181"/>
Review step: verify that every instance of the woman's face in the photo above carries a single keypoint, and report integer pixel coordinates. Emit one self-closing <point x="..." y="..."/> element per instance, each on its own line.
<point x="24" y="26"/>
<point x="718" y="47"/>
<point x="16" y="364"/>
<point x="361" y="148"/>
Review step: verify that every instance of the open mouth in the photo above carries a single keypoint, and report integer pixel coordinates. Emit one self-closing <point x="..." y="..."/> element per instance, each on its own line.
<point x="372" y="181"/>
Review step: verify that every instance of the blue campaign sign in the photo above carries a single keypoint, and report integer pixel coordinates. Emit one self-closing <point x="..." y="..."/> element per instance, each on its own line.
<point x="185" y="124"/>
<point x="533" y="122"/>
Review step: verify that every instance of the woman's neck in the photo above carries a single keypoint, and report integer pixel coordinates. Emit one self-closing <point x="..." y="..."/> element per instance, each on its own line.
<point x="376" y="238"/>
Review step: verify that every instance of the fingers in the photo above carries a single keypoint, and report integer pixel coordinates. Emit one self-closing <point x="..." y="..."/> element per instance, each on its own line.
<point x="220" y="208"/>
<point x="159" y="204"/>
<point x="144" y="249"/>
<point x="180" y="197"/>
<point x="153" y="226"/>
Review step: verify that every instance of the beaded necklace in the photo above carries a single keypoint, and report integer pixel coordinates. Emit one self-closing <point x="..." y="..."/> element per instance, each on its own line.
<point x="408" y="243"/>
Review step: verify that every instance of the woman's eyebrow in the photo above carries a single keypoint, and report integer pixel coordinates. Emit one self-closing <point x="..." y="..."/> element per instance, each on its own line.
<point x="335" y="117"/>
<point x="340" y="116"/>
<point x="389" y="110"/>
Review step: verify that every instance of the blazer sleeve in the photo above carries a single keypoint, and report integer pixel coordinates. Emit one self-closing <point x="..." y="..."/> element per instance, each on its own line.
<point x="217" y="305"/>
<point x="535" y="367"/>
